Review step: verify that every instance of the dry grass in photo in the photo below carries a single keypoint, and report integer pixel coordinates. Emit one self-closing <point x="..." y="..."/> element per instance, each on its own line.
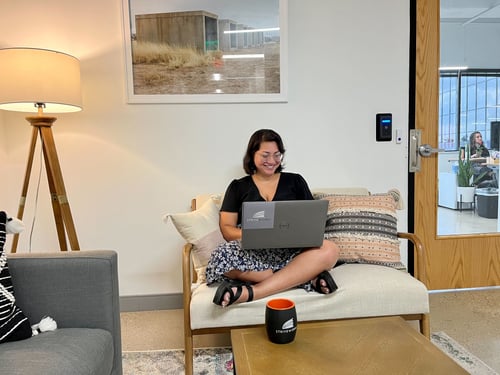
<point x="171" y="70"/>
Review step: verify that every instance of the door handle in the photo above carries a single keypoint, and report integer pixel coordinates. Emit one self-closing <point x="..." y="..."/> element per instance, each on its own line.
<point x="427" y="150"/>
<point x="417" y="150"/>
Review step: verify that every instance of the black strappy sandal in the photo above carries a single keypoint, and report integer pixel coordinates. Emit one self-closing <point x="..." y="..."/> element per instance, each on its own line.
<point x="330" y="284"/>
<point x="227" y="287"/>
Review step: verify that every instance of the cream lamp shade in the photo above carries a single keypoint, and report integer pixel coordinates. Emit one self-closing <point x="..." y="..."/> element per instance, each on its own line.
<point x="32" y="78"/>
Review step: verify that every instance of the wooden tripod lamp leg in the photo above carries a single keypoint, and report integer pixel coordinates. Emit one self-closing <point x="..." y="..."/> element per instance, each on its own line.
<point x="60" y="204"/>
<point x="48" y="151"/>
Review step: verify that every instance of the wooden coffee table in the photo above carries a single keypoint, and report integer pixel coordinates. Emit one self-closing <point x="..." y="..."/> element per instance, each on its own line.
<point x="387" y="345"/>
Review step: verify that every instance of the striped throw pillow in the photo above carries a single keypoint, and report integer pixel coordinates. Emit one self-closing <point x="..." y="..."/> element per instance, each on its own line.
<point x="364" y="228"/>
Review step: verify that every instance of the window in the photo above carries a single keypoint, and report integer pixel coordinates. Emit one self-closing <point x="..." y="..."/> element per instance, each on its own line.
<point x="468" y="101"/>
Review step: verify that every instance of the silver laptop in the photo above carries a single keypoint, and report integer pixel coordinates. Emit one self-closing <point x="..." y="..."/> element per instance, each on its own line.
<point x="283" y="224"/>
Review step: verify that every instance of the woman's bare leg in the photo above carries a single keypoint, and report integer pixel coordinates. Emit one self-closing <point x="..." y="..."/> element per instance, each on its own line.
<point x="304" y="267"/>
<point x="253" y="277"/>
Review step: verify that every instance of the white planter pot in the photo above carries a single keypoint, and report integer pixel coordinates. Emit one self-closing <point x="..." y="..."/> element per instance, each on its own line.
<point x="465" y="194"/>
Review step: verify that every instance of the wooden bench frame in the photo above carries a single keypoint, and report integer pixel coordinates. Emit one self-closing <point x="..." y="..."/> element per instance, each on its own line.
<point x="189" y="277"/>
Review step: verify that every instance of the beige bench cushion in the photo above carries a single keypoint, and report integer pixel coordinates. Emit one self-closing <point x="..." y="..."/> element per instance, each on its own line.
<point x="364" y="290"/>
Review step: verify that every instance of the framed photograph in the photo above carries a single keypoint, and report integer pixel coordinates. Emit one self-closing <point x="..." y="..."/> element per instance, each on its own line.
<point x="198" y="51"/>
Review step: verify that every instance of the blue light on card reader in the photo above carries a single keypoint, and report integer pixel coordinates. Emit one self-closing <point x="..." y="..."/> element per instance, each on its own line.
<point x="386" y="121"/>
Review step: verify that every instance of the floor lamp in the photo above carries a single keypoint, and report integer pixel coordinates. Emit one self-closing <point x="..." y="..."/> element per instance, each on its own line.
<point x="43" y="81"/>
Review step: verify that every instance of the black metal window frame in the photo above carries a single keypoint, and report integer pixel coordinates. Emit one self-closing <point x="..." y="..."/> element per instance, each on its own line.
<point x="469" y="100"/>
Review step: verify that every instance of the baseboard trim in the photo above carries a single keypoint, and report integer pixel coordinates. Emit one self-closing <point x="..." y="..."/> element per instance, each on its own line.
<point x="151" y="302"/>
<point x="475" y="289"/>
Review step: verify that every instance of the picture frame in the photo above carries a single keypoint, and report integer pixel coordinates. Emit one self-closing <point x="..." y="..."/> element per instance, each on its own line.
<point x="194" y="51"/>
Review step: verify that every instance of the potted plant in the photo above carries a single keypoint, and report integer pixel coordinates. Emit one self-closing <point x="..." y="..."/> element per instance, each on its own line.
<point x="465" y="170"/>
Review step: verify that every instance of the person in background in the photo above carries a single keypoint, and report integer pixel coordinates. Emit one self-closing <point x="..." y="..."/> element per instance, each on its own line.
<point x="482" y="173"/>
<point x="477" y="147"/>
<point x="245" y="275"/>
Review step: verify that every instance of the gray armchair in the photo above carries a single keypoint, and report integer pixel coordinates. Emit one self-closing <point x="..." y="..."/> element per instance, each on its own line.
<point x="79" y="290"/>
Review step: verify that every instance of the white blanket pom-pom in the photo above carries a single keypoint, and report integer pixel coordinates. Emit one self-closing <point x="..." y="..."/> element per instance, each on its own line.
<point x="14" y="225"/>
<point x="46" y="324"/>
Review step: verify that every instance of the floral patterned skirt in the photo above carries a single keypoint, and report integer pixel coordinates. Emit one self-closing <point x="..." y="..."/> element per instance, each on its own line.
<point x="230" y="256"/>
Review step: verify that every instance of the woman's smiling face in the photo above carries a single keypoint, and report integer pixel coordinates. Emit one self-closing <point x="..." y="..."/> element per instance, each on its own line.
<point x="267" y="158"/>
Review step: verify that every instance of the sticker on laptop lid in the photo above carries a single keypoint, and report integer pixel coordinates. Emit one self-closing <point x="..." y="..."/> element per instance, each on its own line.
<point x="258" y="215"/>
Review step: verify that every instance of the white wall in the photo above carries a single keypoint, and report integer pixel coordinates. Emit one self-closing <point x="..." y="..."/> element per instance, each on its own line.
<point x="126" y="165"/>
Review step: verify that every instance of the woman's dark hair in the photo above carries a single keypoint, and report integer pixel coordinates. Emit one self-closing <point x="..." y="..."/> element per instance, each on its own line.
<point x="472" y="140"/>
<point x="262" y="135"/>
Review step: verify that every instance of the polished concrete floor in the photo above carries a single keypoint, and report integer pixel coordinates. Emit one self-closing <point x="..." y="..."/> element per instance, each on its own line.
<point x="471" y="317"/>
<point x="466" y="221"/>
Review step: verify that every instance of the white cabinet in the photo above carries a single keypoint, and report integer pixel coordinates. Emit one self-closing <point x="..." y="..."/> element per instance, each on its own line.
<point x="447" y="192"/>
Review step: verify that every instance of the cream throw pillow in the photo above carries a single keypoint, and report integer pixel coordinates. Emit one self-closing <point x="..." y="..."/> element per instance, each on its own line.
<point x="201" y="228"/>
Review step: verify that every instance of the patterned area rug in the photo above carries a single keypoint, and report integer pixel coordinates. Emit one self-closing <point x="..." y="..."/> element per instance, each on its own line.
<point x="218" y="361"/>
<point x="212" y="361"/>
<point x="461" y="355"/>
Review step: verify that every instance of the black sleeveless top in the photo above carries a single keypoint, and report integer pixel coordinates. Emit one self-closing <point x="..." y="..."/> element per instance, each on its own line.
<point x="291" y="186"/>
